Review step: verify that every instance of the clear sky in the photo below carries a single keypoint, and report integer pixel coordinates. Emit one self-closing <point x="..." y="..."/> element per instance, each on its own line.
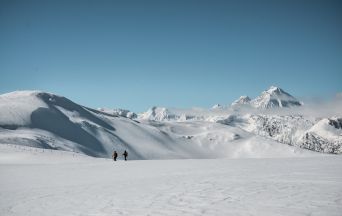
<point x="136" y="54"/>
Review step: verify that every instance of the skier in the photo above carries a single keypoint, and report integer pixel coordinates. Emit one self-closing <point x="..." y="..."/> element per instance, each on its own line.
<point x="125" y="154"/>
<point x="115" y="155"/>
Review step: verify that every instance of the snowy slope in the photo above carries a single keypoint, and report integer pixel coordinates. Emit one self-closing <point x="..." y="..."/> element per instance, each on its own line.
<point x="59" y="183"/>
<point x="54" y="122"/>
<point x="218" y="140"/>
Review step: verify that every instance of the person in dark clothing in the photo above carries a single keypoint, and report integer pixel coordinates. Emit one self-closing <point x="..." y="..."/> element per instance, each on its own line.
<point x="125" y="154"/>
<point x="115" y="155"/>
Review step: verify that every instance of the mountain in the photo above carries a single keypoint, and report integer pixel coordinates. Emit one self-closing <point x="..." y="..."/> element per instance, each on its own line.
<point x="48" y="121"/>
<point x="119" y="112"/>
<point x="243" y="100"/>
<point x="158" y="114"/>
<point x="320" y="135"/>
<point x="45" y="120"/>
<point x="217" y="107"/>
<point x="275" y="97"/>
<point x="172" y="114"/>
<point x="324" y="136"/>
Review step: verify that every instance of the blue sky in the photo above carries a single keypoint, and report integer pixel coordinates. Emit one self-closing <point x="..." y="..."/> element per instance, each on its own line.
<point x="136" y="54"/>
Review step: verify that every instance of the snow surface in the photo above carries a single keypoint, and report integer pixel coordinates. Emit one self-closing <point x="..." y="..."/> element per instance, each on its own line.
<point x="49" y="182"/>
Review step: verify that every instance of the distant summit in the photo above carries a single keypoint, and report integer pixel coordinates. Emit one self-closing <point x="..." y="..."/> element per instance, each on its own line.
<point x="158" y="114"/>
<point x="241" y="101"/>
<point x="119" y="112"/>
<point x="272" y="98"/>
<point x="275" y="97"/>
<point x="217" y="106"/>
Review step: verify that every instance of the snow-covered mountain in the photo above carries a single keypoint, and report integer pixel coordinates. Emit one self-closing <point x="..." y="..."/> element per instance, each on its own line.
<point x="324" y="136"/>
<point x="217" y="106"/>
<point x="45" y="120"/>
<point x="177" y="115"/>
<point x="260" y="117"/>
<point x="159" y="114"/>
<point x="119" y="112"/>
<point x="321" y="135"/>
<point x="275" y="97"/>
<point x="243" y="100"/>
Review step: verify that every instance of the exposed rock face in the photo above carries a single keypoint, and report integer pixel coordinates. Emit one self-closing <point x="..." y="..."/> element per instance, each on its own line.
<point x="284" y="129"/>
<point x="337" y="123"/>
<point x="317" y="143"/>
<point x="321" y="135"/>
<point x="324" y="136"/>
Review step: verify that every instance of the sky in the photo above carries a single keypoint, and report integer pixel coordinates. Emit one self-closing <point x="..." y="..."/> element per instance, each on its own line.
<point x="137" y="54"/>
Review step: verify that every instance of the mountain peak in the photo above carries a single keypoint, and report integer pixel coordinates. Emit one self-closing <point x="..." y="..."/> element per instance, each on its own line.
<point x="157" y="113"/>
<point x="275" y="97"/>
<point x="242" y="100"/>
<point x="274" y="89"/>
<point x="217" y="106"/>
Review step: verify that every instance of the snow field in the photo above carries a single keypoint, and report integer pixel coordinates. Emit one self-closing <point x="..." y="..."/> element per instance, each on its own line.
<point x="60" y="183"/>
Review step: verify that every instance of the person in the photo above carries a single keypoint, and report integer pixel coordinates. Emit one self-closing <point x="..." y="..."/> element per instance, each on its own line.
<point x="125" y="154"/>
<point x="115" y="155"/>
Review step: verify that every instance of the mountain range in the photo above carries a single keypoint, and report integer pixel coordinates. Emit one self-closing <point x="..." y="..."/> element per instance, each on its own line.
<point x="247" y="128"/>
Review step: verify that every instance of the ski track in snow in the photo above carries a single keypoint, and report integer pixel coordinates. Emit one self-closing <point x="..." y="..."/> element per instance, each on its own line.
<point x="62" y="183"/>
